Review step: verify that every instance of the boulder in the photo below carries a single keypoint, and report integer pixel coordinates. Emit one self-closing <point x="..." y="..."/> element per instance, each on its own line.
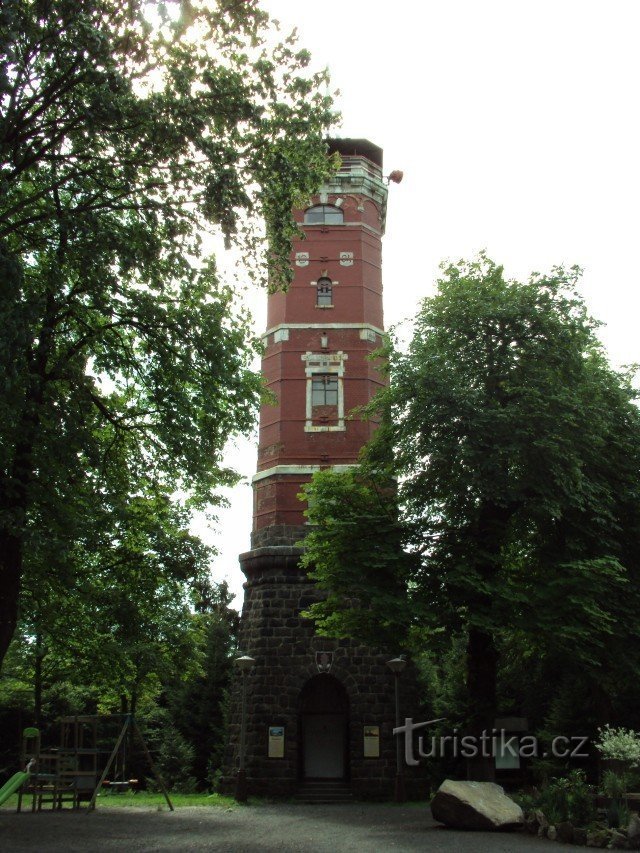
<point x="535" y="821"/>
<point x="541" y="818"/>
<point x="543" y="823"/>
<point x="598" y="838"/>
<point x="552" y="833"/>
<point x="579" y="836"/>
<point x="619" y="841"/>
<point x="475" y="805"/>
<point x="633" y="832"/>
<point x="565" y="831"/>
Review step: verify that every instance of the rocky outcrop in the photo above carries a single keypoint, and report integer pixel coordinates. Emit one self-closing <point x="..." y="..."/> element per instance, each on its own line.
<point x="475" y="805"/>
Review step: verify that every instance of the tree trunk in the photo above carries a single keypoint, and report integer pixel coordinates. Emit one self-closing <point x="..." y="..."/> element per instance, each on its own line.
<point x="482" y="657"/>
<point x="37" y="681"/>
<point x="10" y="575"/>
<point x="482" y="665"/>
<point x="14" y="490"/>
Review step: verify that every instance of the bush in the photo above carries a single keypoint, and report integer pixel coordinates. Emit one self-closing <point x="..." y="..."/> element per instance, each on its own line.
<point x="619" y="745"/>
<point x="175" y="758"/>
<point x="569" y="798"/>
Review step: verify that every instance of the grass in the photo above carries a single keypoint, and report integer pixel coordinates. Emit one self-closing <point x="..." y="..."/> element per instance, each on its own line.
<point x="145" y="800"/>
<point x="141" y="800"/>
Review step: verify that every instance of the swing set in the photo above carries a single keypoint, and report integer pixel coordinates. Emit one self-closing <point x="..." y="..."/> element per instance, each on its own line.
<point x="74" y="773"/>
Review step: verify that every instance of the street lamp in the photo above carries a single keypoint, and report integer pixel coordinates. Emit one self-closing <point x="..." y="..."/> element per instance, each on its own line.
<point x="396" y="665"/>
<point x="244" y="664"/>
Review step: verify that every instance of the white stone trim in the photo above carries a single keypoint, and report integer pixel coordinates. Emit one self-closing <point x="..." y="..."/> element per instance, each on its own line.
<point x="296" y="470"/>
<point x="323" y="326"/>
<point x="368" y="335"/>
<point x="324" y="362"/>
<point x="364" y="225"/>
<point x="339" y="427"/>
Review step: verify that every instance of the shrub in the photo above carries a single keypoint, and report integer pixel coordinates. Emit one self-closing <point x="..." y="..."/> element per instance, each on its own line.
<point x="569" y="798"/>
<point x="619" y="745"/>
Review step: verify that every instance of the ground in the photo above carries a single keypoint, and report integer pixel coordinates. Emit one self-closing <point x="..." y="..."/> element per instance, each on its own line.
<point x="288" y="827"/>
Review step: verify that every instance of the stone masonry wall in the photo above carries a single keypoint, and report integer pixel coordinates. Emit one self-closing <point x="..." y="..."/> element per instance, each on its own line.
<point x="284" y="646"/>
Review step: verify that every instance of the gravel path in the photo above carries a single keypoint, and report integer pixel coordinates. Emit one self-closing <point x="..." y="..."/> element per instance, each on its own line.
<point x="366" y="828"/>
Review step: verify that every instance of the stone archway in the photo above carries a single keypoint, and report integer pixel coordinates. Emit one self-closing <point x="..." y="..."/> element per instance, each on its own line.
<point x="324" y="721"/>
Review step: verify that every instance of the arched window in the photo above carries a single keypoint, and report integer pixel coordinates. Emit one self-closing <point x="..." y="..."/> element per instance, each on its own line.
<point x="323" y="214"/>
<point x="324" y="297"/>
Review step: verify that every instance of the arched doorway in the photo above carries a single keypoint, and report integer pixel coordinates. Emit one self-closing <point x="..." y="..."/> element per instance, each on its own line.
<point x="324" y="715"/>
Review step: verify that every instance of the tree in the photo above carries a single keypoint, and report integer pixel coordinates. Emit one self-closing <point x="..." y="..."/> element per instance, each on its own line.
<point x="128" y="621"/>
<point x="121" y="141"/>
<point x="199" y="702"/>
<point x="517" y="451"/>
<point x="114" y="608"/>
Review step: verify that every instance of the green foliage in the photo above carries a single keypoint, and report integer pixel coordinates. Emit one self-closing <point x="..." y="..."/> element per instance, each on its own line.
<point x="618" y="814"/>
<point x="613" y="784"/>
<point x="343" y="510"/>
<point x="116" y="611"/>
<point x="174" y="756"/>
<point x="500" y="410"/>
<point x="146" y="800"/>
<point x="516" y="450"/>
<point x="155" y="644"/>
<point x="568" y="798"/>
<point x="198" y="699"/>
<point x="619" y="744"/>
<point x="126" y="362"/>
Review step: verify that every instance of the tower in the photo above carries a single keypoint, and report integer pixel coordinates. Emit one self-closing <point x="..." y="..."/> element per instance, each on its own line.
<point x="319" y="712"/>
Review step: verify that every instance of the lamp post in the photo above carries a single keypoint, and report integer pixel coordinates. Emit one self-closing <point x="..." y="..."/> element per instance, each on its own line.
<point x="396" y="665"/>
<point x="244" y="664"/>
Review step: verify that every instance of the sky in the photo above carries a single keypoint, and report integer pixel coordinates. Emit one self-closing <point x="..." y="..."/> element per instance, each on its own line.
<point x="517" y="127"/>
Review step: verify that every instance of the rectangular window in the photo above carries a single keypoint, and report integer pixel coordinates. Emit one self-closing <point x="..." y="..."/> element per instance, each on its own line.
<point x="324" y="390"/>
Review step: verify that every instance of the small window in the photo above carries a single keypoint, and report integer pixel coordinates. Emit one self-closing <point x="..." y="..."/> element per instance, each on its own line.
<point x="324" y="390"/>
<point x="323" y="214"/>
<point x="324" y="292"/>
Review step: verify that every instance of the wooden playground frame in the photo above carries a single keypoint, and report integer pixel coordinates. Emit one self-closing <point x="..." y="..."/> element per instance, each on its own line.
<point x="70" y="775"/>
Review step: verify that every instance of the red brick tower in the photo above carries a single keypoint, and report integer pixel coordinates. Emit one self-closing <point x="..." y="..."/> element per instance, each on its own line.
<point x="320" y="712"/>
<point x="319" y="337"/>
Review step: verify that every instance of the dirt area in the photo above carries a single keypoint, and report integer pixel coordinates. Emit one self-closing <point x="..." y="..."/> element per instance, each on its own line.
<point x="366" y="828"/>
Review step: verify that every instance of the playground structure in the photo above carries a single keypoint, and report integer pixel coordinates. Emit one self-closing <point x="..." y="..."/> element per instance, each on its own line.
<point x="73" y="774"/>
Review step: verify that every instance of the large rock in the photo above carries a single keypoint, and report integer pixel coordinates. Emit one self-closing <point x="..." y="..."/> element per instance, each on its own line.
<point x="598" y="837"/>
<point x="565" y="831"/>
<point x="619" y="841"/>
<point x="475" y="805"/>
<point x="633" y="832"/>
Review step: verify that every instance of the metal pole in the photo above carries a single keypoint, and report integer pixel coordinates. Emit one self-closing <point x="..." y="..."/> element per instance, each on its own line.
<point x="400" y="796"/>
<point x="241" y="784"/>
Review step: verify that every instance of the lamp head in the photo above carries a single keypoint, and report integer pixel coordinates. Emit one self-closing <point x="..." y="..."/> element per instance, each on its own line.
<point x="244" y="663"/>
<point x="396" y="665"/>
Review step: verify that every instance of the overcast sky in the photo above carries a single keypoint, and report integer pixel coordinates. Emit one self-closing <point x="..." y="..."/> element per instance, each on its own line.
<point x="517" y="127"/>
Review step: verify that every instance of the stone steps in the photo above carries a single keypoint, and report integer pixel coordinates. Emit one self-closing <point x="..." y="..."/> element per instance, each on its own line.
<point x="330" y="791"/>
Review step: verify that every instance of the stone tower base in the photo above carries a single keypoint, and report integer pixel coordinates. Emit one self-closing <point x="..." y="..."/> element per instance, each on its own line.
<point x="317" y="709"/>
